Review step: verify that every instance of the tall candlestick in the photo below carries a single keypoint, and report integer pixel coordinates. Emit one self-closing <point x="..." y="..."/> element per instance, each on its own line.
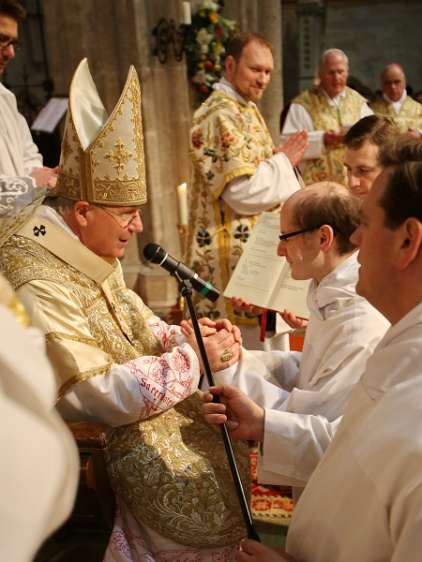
<point x="187" y="16"/>
<point x="182" y="195"/>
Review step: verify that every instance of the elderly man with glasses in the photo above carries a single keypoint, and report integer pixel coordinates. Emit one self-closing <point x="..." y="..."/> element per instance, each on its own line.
<point x="21" y="165"/>
<point x="115" y="361"/>
<point x="301" y="396"/>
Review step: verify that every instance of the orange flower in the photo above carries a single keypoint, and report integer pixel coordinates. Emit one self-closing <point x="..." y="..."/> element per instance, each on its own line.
<point x="214" y="18"/>
<point x="226" y="140"/>
<point x="197" y="139"/>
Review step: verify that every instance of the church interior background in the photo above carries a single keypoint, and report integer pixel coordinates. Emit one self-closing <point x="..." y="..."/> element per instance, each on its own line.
<point x="116" y="33"/>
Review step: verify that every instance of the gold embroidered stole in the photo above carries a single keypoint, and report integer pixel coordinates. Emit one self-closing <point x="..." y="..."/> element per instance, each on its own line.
<point x="409" y="116"/>
<point x="228" y="140"/>
<point x="324" y="117"/>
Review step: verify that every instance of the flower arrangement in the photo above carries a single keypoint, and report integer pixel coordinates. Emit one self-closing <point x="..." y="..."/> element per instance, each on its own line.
<point x="206" y="45"/>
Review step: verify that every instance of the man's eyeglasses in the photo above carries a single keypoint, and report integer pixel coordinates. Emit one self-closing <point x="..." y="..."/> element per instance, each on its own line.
<point x="284" y="237"/>
<point x="7" y="41"/>
<point x="124" y="220"/>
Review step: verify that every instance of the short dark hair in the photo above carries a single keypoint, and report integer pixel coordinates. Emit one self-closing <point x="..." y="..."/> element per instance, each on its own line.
<point x="336" y="206"/>
<point x="402" y="196"/>
<point x="13" y="9"/>
<point x="238" y="43"/>
<point x="376" y="130"/>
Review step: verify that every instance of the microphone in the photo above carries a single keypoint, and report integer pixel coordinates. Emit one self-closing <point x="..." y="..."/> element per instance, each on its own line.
<point x="156" y="254"/>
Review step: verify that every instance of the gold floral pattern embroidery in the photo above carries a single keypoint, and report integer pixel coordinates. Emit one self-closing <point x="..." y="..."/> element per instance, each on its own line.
<point x="228" y="140"/>
<point x="324" y="117"/>
<point x="170" y="469"/>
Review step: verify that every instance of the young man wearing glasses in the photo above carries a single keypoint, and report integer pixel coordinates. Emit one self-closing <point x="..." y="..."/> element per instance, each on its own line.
<point x="300" y="396"/>
<point x="21" y="166"/>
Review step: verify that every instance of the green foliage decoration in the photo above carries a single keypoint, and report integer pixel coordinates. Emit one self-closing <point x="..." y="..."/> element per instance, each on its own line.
<point x="205" y="46"/>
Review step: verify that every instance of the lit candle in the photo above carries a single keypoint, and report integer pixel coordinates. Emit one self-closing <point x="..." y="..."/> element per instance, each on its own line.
<point x="187" y="17"/>
<point x="182" y="195"/>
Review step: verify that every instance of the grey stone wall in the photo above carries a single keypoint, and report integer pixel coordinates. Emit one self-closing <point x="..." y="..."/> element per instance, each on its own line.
<point x="372" y="32"/>
<point x="376" y="33"/>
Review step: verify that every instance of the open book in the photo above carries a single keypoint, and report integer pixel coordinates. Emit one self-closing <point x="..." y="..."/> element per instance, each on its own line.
<point x="263" y="278"/>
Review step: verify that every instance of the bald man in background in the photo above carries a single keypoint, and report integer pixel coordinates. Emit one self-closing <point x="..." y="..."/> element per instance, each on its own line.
<point x="394" y="103"/>
<point x="326" y="112"/>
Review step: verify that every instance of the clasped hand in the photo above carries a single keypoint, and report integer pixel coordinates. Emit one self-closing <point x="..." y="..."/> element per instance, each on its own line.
<point x="222" y="342"/>
<point x="295" y="322"/>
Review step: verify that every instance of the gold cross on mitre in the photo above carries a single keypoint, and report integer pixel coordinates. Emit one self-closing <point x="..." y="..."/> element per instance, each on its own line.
<point x="102" y="159"/>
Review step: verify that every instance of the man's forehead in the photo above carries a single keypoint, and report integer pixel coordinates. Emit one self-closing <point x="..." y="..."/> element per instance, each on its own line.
<point x="393" y="73"/>
<point x="8" y="26"/>
<point x="285" y="213"/>
<point x="255" y="49"/>
<point x="366" y="152"/>
<point x="129" y="209"/>
<point x="333" y="61"/>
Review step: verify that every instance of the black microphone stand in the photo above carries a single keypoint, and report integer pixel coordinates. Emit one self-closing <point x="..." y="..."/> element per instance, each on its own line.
<point x="185" y="288"/>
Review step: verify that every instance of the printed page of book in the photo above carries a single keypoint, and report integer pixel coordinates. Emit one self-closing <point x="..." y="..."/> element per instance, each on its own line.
<point x="258" y="270"/>
<point x="261" y="277"/>
<point x="291" y="294"/>
<point x="50" y="115"/>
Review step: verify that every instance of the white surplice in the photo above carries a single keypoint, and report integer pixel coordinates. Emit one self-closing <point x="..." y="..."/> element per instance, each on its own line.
<point x="364" y="501"/>
<point x="18" y="153"/>
<point x="305" y="393"/>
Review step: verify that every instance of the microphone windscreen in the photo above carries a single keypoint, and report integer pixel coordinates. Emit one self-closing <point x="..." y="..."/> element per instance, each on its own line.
<point x="154" y="253"/>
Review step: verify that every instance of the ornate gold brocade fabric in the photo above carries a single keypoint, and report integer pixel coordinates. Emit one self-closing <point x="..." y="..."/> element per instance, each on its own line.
<point x="325" y="117"/>
<point x="171" y="469"/>
<point x="9" y="300"/>
<point x="409" y="116"/>
<point x="229" y="139"/>
<point x="176" y="478"/>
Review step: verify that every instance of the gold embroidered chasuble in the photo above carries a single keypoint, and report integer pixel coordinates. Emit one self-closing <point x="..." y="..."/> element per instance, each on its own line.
<point x="10" y="301"/>
<point x="409" y="116"/>
<point x="228" y="140"/>
<point x="171" y="469"/>
<point x="325" y="117"/>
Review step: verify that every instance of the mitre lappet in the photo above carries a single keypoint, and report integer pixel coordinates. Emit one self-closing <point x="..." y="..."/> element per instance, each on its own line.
<point x="102" y="158"/>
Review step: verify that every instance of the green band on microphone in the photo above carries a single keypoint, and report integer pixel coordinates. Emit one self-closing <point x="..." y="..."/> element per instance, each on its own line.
<point x="206" y="289"/>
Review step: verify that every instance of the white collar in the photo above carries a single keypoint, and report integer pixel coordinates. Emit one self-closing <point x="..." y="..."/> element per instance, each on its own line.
<point x="383" y="370"/>
<point x="336" y="100"/>
<point x="225" y="86"/>
<point x="338" y="285"/>
<point x="396" y="104"/>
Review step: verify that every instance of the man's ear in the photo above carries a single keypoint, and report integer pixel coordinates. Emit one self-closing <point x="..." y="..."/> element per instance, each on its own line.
<point x="410" y="243"/>
<point x="230" y="67"/>
<point x="80" y="210"/>
<point x="326" y="237"/>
